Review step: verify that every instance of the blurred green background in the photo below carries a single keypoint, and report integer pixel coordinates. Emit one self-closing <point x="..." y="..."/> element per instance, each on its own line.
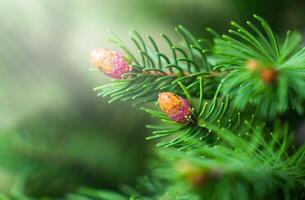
<point x="55" y="133"/>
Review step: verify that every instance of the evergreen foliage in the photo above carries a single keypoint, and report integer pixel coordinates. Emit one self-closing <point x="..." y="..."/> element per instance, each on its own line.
<point x="286" y="57"/>
<point x="246" y="95"/>
<point x="245" y="90"/>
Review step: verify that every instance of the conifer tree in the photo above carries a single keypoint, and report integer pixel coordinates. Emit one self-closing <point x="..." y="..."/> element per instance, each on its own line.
<point x="230" y="110"/>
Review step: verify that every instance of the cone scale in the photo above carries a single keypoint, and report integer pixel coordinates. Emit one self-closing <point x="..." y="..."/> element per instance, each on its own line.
<point x="177" y="108"/>
<point x="112" y="63"/>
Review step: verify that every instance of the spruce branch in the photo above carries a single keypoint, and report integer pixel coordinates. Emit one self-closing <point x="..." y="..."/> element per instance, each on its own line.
<point x="263" y="71"/>
<point x="218" y="111"/>
<point x="251" y="167"/>
<point x="221" y="114"/>
<point x="240" y="168"/>
<point x="154" y="71"/>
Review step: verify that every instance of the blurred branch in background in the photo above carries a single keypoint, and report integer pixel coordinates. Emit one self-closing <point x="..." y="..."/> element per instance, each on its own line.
<point x="52" y="124"/>
<point x="198" y="14"/>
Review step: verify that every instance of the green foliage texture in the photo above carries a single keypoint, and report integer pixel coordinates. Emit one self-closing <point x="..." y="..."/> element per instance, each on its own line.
<point x="243" y="129"/>
<point x="240" y="142"/>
